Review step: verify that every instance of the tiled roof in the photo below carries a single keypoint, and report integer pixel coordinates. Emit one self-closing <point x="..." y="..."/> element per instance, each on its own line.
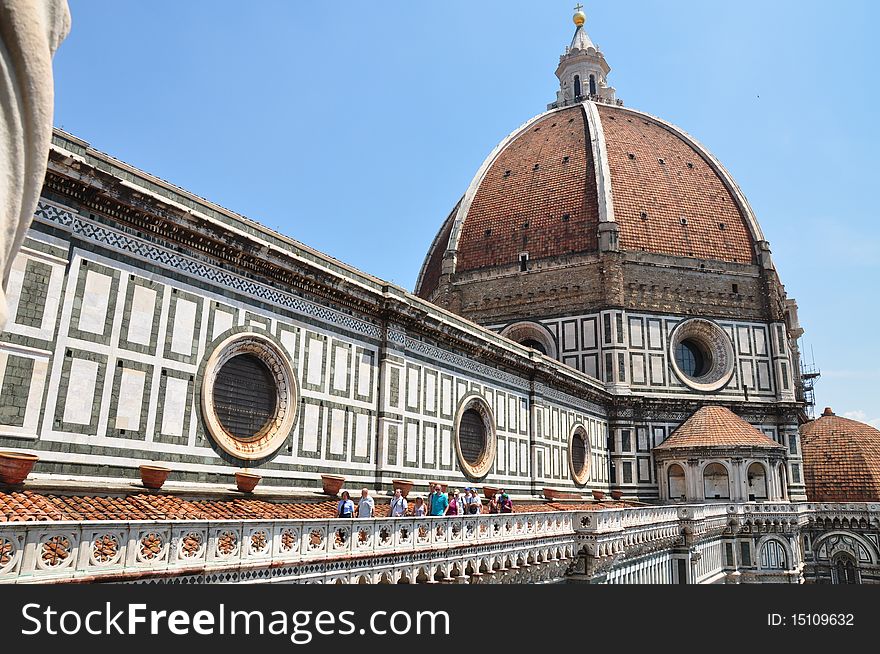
<point x="841" y="460"/>
<point x="542" y="175"/>
<point x="30" y="506"/>
<point x="684" y="185"/>
<point x="667" y="197"/>
<point x="430" y="277"/>
<point x="716" y="426"/>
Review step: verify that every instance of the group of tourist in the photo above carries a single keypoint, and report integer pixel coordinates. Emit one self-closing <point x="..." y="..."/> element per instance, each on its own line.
<point x="438" y="503"/>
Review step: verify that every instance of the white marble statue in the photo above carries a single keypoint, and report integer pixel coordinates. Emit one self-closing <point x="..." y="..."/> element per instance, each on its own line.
<point x="30" y="32"/>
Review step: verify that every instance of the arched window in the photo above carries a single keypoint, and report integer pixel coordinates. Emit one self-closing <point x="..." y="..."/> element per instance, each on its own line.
<point x="843" y="570"/>
<point x="757" y="477"/>
<point x="577" y="86"/>
<point x="535" y="345"/>
<point x="592" y="85"/>
<point x="675" y="475"/>
<point x="773" y="556"/>
<point x="716" y="482"/>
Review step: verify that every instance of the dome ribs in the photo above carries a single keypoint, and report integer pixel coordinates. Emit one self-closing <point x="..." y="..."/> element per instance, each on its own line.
<point x="539" y="196"/>
<point x="656" y="172"/>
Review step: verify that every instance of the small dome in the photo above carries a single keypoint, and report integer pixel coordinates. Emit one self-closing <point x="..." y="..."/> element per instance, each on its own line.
<point x="716" y="427"/>
<point x="841" y="460"/>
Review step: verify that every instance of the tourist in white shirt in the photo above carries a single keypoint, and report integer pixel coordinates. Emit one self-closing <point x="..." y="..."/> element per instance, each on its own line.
<point x="366" y="505"/>
<point x="398" y="504"/>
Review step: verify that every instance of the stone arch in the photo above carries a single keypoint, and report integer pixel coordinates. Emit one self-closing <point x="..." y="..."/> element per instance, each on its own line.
<point x="716" y="481"/>
<point x="534" y="335"/>
<point x="676" y="485"/>
<point x="363" y="580"/>
<point x="867" y="550"/>
<point x="845" y="569"/>
<point x="758" y="481"/>
<point x="774" y="554"/>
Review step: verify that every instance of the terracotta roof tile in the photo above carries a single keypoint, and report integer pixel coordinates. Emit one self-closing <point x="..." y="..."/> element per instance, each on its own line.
<point x="841" y="460"/>
<point x="656" y="172"/>
<point x="28" y="506"/>
<point x="543" y="174"/>
<point x="716" y="426"/>
<point x="547" y="171"/>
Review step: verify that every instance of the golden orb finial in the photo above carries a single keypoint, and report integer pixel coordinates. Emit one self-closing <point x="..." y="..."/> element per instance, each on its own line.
<point x="579" y="17"/>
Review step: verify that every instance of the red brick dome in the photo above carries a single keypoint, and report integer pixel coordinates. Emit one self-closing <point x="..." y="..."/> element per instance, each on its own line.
<point x="841" y="460"/>
<point x="548" y="186"/>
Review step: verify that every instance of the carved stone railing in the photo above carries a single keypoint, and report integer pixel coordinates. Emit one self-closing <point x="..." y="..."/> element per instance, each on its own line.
<point x="92" y="551"/>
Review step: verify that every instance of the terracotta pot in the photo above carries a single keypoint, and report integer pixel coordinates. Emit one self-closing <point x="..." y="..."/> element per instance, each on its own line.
<point x="246" y="481"/>
<point x="598" y="495"/>
<point x="332" y="484"/>
<point x="154" y="476"/>
<point x="405" y="485"/>
<point x="431" y="485"/>
<point x="15" y="467"/>
<point x="617" y="495"/>
<point x="549" y="494"/>
<point x="489" y="492"/>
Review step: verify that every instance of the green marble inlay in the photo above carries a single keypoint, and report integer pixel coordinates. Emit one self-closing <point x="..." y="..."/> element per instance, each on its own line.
<point x="15" y="390"/>
<point x="34" y="291"/>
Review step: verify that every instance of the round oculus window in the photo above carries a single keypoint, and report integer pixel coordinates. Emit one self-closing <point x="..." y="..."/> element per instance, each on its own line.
<point x="248" y="396"/>
<point x="702" y="355"/>
<point x="579" y="455"/>
<point x="475" y="439"/>
<point x="245" y="396"/>
<point x="692" y="358"/>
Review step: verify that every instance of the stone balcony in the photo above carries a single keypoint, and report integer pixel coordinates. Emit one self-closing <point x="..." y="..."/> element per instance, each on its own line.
<point x="523" y="547"/>
<point x="391" y="550"/>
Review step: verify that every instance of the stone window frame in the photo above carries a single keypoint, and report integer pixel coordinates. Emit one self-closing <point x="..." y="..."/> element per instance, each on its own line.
<point x="777" y="542"/>
<point x="716" y="342"/>
<point x="580" y="477"/>
<point x="262" y="345"/>
<point x="724" y="464"/>
<point x="530" y="330"/>
<point x="487" y="460"/>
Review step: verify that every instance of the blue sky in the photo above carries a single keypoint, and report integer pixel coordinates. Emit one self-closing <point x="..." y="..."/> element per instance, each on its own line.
<point x="355" y="127"/>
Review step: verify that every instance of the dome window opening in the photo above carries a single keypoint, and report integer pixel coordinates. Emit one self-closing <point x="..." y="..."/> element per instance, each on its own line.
<point x="535" y="345"/>
<point x="506" y="174"/>
<point x="579" y="455"/>
<point x="524" y="262"/>
<point x="692" y="359"/>
<point x="566" y="217"/>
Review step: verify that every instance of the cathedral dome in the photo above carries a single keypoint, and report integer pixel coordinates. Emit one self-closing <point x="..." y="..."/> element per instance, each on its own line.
<point x="552" y="187"/>
<point x="841" y="460"/>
